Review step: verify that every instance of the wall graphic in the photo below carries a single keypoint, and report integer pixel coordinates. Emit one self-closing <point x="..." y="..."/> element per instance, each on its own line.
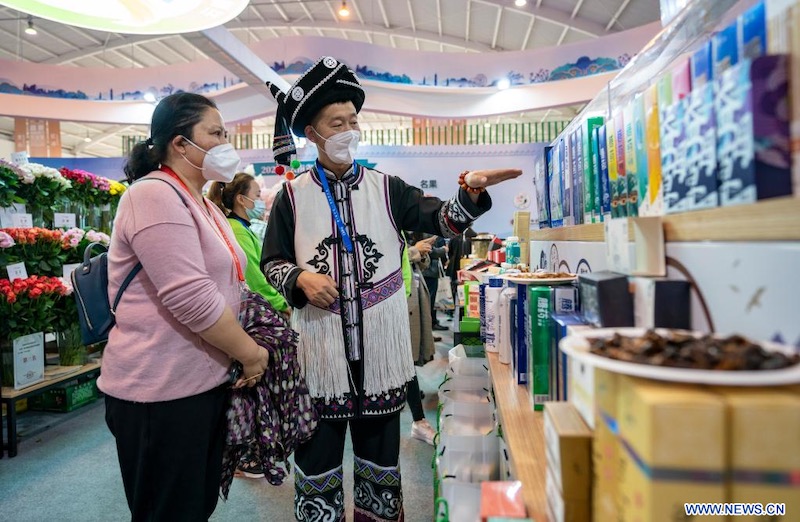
<point x="292" y="56"/>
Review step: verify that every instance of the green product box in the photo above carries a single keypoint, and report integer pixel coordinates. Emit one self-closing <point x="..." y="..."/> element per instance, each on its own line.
<point x="631" y="164"/>
<point x="539" y="305"/>
<point x="590" y="213"/>
<point x="67" y="397"/>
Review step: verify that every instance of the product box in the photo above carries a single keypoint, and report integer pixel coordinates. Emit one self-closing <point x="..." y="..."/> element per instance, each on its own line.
<point x="681" y="80"/>
<point x="502" y="499"/>
<point x="699" y="150"/>
<point x="651" y="200"/>
<point x="578" y="170"/>
<point x="564" y="510"/>
<point x="67" y="397"/>
<point x="673" y="162"/>
<point x="576" y="175"/>
<point x="522" y="229"/>
<point x="661" y="303"/>
<point x="491" y="320"/>
<point x="725" y="49"/>
<point x="559" y="361"/>
<point x="702" y="66"/>
<point x="603" y="200"/>
<point x="764" y="447"/>
<point x="568" y="443"/>
<point x="566" y="181"/>
<point x="674" y="448"/>
<point x="605" y="299"/>
<point x="554" y="177"/>
<point x="753" y="32"/>
<point x="631" y="163"/>
<point x="783" y="37"/>
<point x="522" y="364"/>
<point x="606" y="447"/>
<point x="542" y="301"/>
<point x="640" y="143"/>
<point x="588" y="169"/>
<point x="622" y="180"/>
<point x="542" y="186"/>
<point x="611" y="161"/>
<point x="753" y="131"/>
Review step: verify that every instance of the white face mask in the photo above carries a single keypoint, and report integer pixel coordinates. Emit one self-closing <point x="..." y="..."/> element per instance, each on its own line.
<point x="220" y="163"/>
<point x="341" y="147"/>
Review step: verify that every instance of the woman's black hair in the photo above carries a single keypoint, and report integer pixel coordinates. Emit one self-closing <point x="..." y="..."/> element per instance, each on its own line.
<point x="175" y="115"/>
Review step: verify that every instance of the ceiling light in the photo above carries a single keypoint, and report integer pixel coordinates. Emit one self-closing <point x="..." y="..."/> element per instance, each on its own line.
<point x="487" y="125"/>
<point x="503" y="83"/>
<point x="520" y="3"/>
<point x="344" y="12"/>
<point x="149" y="97"/>
<point x="31" y="30"/>
<point x="87" y="139"/>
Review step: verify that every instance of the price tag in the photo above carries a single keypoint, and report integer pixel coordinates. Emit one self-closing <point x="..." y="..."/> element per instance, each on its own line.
<point x="7" y="213"/>
<point x="63" y="220"/>
<point x="618" y="256"/>
<point x="106" y="207"/>
<point x="19" y="158"/>
<point x="17" y="271"/>
<point x="67" y="270"/>
<point x="21" y="220"/>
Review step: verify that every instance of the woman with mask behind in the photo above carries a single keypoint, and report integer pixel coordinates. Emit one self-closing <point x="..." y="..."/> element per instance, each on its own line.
<point x="241" y="201"/>
<point x="166" y="365"/>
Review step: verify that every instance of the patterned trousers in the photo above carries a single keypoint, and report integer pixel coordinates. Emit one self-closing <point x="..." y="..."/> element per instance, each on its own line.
<point x="377" y="492"/>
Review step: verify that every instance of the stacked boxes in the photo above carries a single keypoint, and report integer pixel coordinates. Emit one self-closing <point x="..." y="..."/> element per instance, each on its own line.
<point x="667" y="459"/>
<point x="764" y="448"/>
<point x="753" y="131"/>
<point x="606" y="448"/>
<point x="568" y="443"/>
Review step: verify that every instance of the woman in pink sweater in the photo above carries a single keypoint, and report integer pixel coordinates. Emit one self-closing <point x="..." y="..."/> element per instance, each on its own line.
<point x="165" y="368"/>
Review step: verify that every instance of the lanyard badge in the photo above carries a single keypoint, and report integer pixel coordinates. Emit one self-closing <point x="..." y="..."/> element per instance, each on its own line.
<point x="348" y="243"/>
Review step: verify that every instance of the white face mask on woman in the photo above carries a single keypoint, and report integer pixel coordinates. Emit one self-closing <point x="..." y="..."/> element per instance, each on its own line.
<point x="341" y="148"/>
<point x="219" y="164"/>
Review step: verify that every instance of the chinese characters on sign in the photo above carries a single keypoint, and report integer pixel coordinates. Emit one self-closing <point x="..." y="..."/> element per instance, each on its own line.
<point x="428" y="183"/>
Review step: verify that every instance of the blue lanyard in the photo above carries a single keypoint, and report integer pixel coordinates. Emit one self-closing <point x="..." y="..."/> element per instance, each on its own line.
<point x="348" y="244"/>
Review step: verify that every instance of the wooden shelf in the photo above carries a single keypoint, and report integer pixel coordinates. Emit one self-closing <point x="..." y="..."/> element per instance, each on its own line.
<point x="10" y="393"/>
<point x="523" y="431"/>
<point x="769" y="220"/>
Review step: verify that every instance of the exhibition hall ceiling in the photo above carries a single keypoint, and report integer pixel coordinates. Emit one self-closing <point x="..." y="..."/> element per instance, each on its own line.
<point x="447" y="26"/>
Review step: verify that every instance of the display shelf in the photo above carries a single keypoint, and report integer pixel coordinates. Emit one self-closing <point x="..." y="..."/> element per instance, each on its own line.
<point x="769" y="220"/>
<point x="523" y="431"/>
<point x="9" y="396"/>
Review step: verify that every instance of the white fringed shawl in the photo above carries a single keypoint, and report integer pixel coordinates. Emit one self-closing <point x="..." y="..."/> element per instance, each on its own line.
<point x="386" y="350"/>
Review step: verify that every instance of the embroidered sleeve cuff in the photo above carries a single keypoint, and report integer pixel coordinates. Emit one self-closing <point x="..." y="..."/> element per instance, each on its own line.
<point x="282" y="275"/>
<point x="458" y="213"/>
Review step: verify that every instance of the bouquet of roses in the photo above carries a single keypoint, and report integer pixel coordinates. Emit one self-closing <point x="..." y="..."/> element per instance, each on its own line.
<point x="42" y="250"/>
<point x="42" y="187"/>
<point x="11" y="177"/>
<point x="75" y="240"/>
<point x="87" y="188"/>
<point x="27" y="305"/>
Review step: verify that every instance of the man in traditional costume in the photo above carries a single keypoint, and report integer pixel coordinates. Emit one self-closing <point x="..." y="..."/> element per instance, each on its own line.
<point x="333" y="248"/>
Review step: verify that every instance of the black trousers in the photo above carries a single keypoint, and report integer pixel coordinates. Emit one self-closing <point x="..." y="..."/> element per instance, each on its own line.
<point x="170" y="454"/>
<point x="414" y="400"/>
<point x="433" y="286"/>
<point x="377" y="488"/>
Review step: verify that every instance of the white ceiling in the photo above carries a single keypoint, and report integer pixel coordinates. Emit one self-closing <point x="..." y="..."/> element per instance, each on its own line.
<point x="429" y="25"/>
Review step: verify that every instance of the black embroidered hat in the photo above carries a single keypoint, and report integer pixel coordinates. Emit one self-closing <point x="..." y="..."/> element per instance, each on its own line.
<point x="327" y="81"/>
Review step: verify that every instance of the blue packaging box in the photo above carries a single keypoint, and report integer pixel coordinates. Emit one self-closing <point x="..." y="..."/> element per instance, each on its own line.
<point x="725" y="49"/>
<point x="699" y="150"/>
<point x="542" y="187"/>
<point x="753" y="139"/>
<point x="603" y="199"/>
<point x="753" y="32"/>
<point x="702" y="66"/>
<point x="673" y="162"/>
<point x="556" y="189"/>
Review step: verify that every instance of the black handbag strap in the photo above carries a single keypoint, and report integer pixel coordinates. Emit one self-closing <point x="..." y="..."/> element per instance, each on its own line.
<point x="135" y="270"/>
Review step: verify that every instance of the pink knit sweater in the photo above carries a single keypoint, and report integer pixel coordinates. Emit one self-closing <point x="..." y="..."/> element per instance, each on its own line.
<point x="188" y="278"/>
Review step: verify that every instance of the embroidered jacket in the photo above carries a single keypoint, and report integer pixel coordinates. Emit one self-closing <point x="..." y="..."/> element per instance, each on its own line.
<point x="355" y="354"/>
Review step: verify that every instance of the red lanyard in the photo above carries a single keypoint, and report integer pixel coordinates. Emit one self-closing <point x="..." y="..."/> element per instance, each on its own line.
<point x="222" y="233"/>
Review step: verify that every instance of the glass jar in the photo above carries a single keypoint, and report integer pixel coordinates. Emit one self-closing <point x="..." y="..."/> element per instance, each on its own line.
<point x="71" y="351"/>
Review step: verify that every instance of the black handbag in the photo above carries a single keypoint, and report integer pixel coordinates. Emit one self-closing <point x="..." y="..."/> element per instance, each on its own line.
<point x="90" y="287"/>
